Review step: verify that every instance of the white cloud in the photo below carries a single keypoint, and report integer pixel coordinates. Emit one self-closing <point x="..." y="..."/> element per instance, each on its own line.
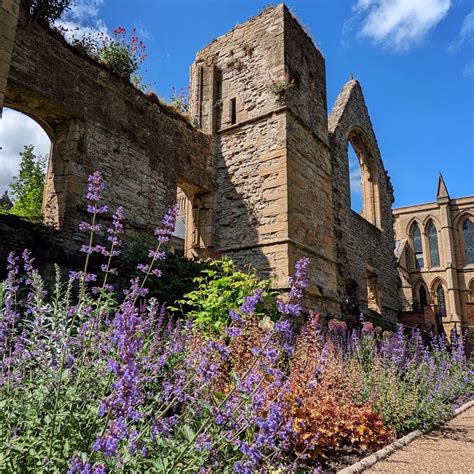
<point x="467" y="29"/>
<point x="469" y="69"/>
<point x="82" y="10"/>
<point x="466" y="33"/>
<point x="465" y="36"/>
<point x="82" y="20"/>
<point x="355" y="177"/>
<point x="397" y="24"/>
<point x="16" y="131"/>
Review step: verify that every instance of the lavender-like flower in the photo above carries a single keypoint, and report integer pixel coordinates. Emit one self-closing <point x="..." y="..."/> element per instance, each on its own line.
<point x="123" y="405"/>
<point x="164" y="233"/>
<point x="297" y="285"/>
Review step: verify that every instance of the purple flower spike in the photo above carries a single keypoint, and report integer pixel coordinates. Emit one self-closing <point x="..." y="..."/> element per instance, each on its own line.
<point x="96" y="186"/>
<point x="297" y="285"/>
<point x="164" y="234"/>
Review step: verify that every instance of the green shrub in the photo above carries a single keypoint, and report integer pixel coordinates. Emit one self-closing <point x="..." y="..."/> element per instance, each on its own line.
<point x="221" y="288"/>
<point x="28" y="187"/>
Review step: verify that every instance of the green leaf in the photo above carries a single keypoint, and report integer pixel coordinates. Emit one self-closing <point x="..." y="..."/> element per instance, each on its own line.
<point x="188" y="433"/>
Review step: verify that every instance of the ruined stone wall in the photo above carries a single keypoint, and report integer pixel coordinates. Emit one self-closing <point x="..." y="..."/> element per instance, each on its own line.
<point x="251" y="184"/>
<point x="272" y="161"/>
<point x="98" y="121"/>
<point x="45" y="243"/>
<point x="8" y="19"/>
<point x="311" y="220"/>
<point x="365" y="243"/>
<point x="265" y="180"/>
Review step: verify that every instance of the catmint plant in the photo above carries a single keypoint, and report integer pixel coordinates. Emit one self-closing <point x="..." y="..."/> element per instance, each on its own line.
<point x="97" y="378"/>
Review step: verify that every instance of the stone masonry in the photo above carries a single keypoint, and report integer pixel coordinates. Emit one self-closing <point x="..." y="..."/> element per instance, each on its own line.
<point x="445" y="264"/>
<point x="282" y="170"/>
<point x="261" y="174"/>
<point x="97" y="121"/>
<point x="8" y="20"/>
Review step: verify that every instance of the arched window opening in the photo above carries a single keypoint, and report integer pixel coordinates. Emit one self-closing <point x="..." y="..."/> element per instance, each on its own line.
<point x="179" y="234"/>
<point x="194" y="229"/>
<point x="468" y="236"/>
<point x="471" y="292"/>
<point x="363" y="179"/>
<point x="433" y="241"/>
<point x="440" y="299"/>
<point x="373" y="300"/>
<point x="423" y="296"/>
<point x="355" y="180"/>
<point x="417" y="246"/>
<point x="24" y="152"/>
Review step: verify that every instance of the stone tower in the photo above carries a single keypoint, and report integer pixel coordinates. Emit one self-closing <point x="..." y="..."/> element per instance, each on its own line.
<point x="260" y="90"/>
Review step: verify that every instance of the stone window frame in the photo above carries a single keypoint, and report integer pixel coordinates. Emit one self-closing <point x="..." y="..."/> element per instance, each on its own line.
<point x="415" y="225"/>
<point x="435" y="284"/>
<point x="430" y="223"/>
<point x="371" y="200"/>
<point x="441" y="302"/>
<point x="470" y="291"/>
<point x="417" y="293"/>
<point x="373" y="286"/>
<point x="462" y="242"/>
<point x="233" y="110"/>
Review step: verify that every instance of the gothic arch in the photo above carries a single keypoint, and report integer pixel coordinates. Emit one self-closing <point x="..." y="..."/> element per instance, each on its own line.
<point x="417" y="245"/>
<point x="56" y="124"/>
<point x="459" y="219"/>
<point x="419" y="284"/>
<point x="433" y="253"/>
<point x="437" y="281"/>
<point x="470" y="291"/>
<point x="430" y="217"/>
<point x="369" y="174"/>
<point x="349" y="122"/>
<point x="459" y="226"/>
<point x="30" y="113"/>
<point x="411" y="223"/>
<point x="439" y="288"/>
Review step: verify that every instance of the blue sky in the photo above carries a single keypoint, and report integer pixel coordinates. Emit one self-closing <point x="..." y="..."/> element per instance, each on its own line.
<point x="414" y="59"/>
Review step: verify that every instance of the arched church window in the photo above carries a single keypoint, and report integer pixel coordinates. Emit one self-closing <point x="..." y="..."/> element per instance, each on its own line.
<point x="363" y="179"/>
<point x="417" y="246"/>
<point x="468" y="234"/>
<point x="423" y="297"/>
<point x="433" y="241"/>
<point x="471" y="292"/>
<point x="441" y="301"/>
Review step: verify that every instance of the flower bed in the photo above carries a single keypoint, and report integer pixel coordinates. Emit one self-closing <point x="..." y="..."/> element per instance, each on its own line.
<point x="95" y="379"/>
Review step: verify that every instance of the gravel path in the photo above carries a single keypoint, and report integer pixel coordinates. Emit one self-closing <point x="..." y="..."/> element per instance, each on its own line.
<point x="449" y="449"/>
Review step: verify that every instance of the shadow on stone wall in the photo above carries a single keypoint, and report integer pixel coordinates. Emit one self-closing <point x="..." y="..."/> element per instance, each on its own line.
<point x="44" y="242"/>
<point x="236" y="213"/>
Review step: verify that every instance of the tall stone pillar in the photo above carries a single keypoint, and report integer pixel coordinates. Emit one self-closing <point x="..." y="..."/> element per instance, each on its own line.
<point x="8" y="21"/>
<point x="453" y="297"/>
<point x="260" y="90"/>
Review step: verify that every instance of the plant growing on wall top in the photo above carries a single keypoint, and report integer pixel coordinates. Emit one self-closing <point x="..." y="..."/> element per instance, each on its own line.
<point x="123" y="54"/>
<point x="180" y="100"/>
